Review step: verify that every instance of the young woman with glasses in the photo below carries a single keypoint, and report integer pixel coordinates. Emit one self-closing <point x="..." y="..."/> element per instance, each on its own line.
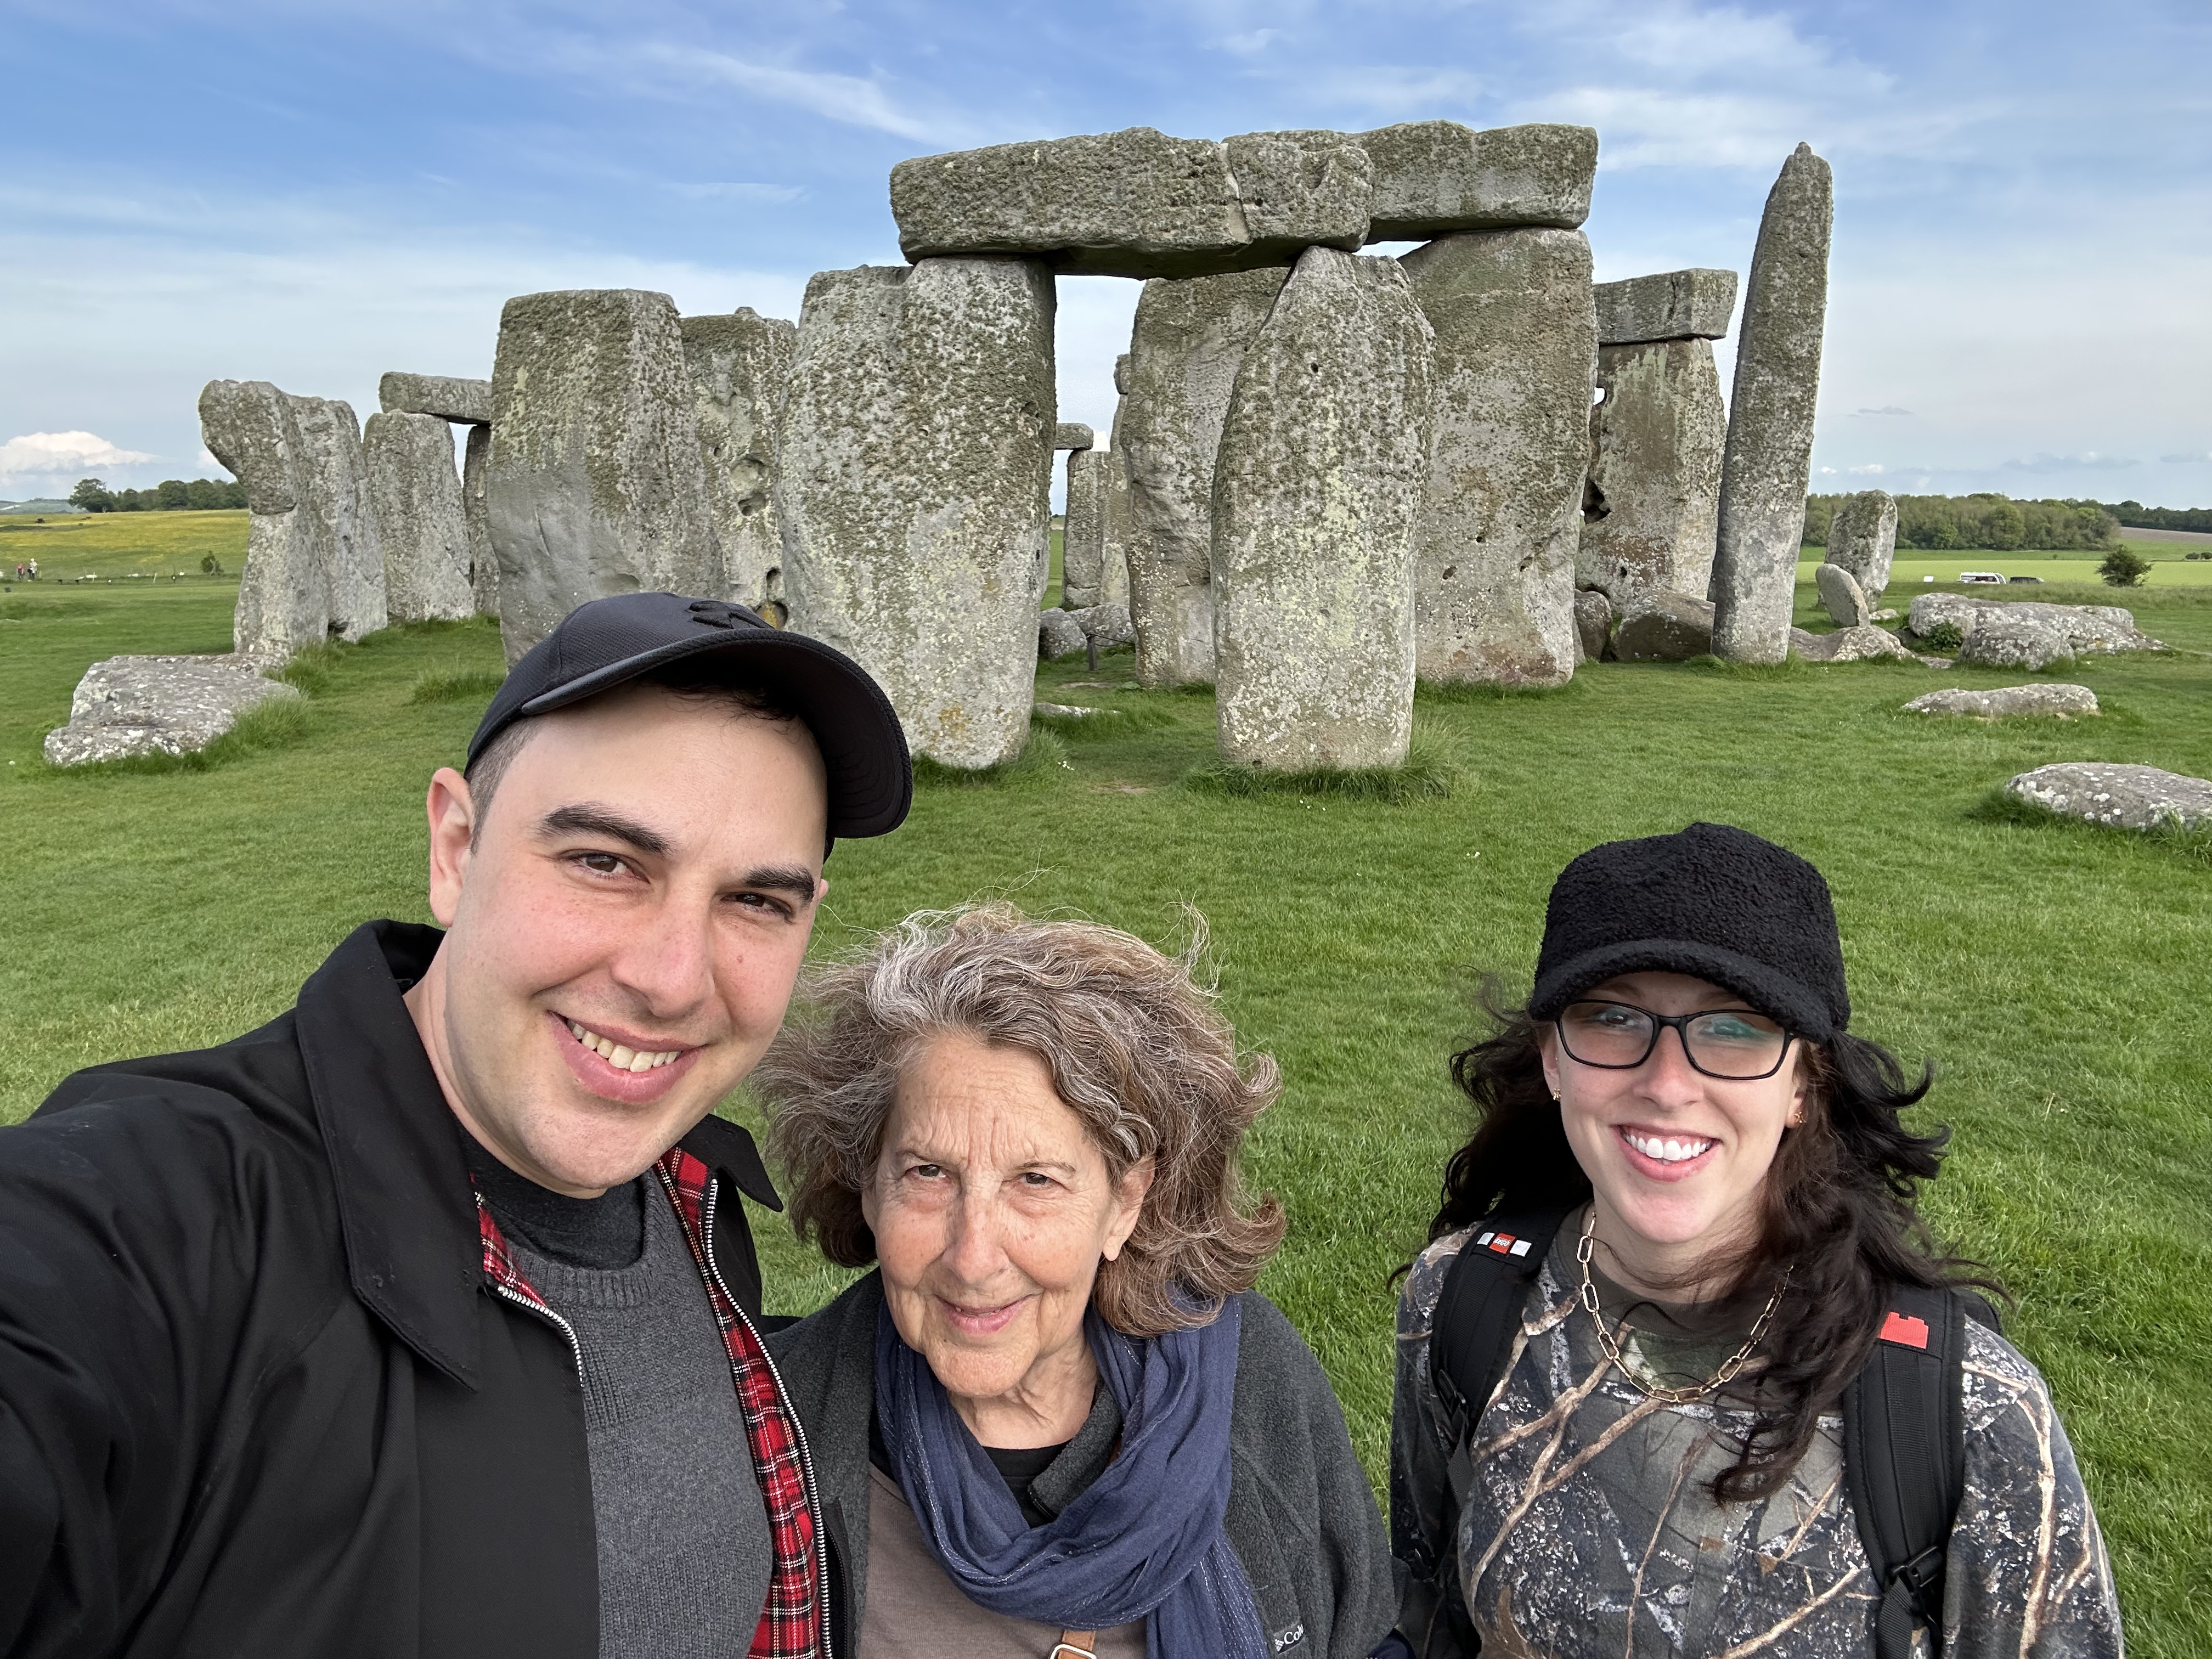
<point x="1720" y="1193"/>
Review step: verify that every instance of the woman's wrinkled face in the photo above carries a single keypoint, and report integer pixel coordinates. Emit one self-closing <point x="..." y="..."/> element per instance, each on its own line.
<point x="992" y="1211"/>
<point x="1675" y="1159"/>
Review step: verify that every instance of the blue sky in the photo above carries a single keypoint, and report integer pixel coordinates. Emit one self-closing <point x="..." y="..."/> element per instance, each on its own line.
<point x="313" y="194"/>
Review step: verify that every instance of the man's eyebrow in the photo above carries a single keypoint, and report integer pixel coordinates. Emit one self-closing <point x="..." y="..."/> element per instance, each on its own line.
<point x="793" y="879"/>
<point x="589" y="819"/>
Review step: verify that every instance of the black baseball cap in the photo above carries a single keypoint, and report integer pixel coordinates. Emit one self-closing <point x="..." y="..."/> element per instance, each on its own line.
<point x="602" y="643"/>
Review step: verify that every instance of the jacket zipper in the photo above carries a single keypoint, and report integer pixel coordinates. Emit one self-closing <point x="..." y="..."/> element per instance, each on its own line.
<point x="798" y="1430"/>
<point x="575" y="1348"/>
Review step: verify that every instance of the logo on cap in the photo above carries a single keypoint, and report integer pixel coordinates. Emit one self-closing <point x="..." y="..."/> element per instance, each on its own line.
<point x="717" y="613"/>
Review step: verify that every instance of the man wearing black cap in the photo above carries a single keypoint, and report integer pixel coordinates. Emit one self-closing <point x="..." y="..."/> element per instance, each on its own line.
<point x="419" y="1321"/>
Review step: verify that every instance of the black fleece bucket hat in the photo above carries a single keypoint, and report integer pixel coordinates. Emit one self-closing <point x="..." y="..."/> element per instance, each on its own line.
<point x="1711" y="900"/>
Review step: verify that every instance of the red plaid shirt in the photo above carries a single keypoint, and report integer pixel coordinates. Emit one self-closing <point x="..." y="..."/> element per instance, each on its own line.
<point x="791" y="1623"/>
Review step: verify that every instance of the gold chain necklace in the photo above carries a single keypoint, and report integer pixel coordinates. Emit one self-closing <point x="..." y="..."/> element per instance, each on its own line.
<point x="1719" y="1379"/>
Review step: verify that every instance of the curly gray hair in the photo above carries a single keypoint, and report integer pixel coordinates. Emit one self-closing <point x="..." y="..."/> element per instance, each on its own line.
<point x="1136" y="1049"/>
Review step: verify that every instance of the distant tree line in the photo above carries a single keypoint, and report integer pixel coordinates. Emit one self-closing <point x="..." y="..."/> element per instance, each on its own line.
<point x="1996" y="522"/>
<point x="170" y="495"/>
<point x="2137" y="516"/>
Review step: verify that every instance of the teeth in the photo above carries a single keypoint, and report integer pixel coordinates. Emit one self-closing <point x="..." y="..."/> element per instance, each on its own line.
<point x="1667" y="1151"/>
<point x="621" y="1059"/>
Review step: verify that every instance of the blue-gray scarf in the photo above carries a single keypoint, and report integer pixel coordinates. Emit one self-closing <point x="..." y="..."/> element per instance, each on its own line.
<point x="1143" y="1541"/>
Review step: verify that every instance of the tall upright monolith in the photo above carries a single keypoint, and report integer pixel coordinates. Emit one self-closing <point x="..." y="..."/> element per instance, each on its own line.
<point x="284" y="590"/>
<point x="1190" y="337"/>
<point x="1769" y="433"/>
<point x="1083" y="534"/>
<point x="416" y="496"/>
<point x="335" y="477"/>
<point x="484" y="564"/>
<point x="1121" y="512"/>
<point x="594" y="483"/>
<point x="914" y="472"/>
<point x="1317" y="485"/>
<point x="1862" y="538"/>
<point x="1501" y="513"/>
<point x="739" y="364"/>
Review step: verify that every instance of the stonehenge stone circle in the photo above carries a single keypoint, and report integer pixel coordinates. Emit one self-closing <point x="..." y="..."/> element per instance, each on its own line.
<point x="463" y="401"/>
<point x="1675" y="305"/>
<point x="2121" y="797"/>
<point x="1651" y="500"/>
<point x="739" y="364"/>
<point x="1862" y="538"/>
<point x="913" y="469"/>
<point x="2059" y="701"/>
<point x="1317" y="485"/>
<point x="284" y="590"/>
<point x="1083" y="533"/>
<point x="415" y="495"/>
<point x="1190" y="337"/>
<point x="1072" y="435"/>
<point x="483" y="568"/>
<point x="1770" y="436"/>
<point x="1593" y="624"/>
<point x="1432" y="178"/>
<point x="1501" y="515"/>
<point x="1840" y="595"/>
<point x="595" y="484"/>
<point x="1665" y="627"/>
<point x="2031" y="636"/>
<point x="336" y="475"/>
<point x="157" y="705"/>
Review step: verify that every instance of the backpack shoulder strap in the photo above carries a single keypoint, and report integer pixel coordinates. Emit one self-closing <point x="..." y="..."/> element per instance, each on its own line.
<point x="1905" y="1457"/>
<point x="1479" y="1310"/>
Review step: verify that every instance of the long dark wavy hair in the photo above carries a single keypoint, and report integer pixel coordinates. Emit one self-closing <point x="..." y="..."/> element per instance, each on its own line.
<point x="1836" y="1207"/>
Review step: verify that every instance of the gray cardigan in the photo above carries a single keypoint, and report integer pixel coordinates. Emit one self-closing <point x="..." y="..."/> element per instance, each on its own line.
<point x="1302" y="1517"/>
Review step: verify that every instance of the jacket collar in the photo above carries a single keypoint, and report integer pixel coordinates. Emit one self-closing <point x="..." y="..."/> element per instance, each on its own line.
<point x="414" y="1250"/>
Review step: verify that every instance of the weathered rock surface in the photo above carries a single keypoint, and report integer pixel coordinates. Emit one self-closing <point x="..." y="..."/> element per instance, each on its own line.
<point x="1433" y="178"/>
<point x="2015" y="637"/>
<point x="1136" y="203"/>
<point x="165" y="705"/>
<point x="1501" y="514"/>
<point x="483" y="566"/>
<point x="1665" y="627"/>
<point x="1107" y="624"/>
<point x="464" y="401"/>
<point x="285" y="591"/>
<point x="1058" y="635"/>
<point x="2124" y="797"/>
<point x="915" y="462"/>
<point x="1189" y="338"/>
<point x="1840" y="596"/>
<point x="1675" y="305"/>
<point x="1593" y="625"/>
<point x="416" y="496"/>
<point x="595" y="484"/>
<point x="1072" y="435"/>
<point x="1120" y="511"/>
<point x="739" y="363"/>
<point x="2060" y="701"/>
<point x="1083" y="531"/>
<point x="1317" y="488"/>
<point x="1863" y="539"/>
<point x="1770" y="436"/>
<point x="1652" y="497"/>
<point x="337" y="474"/>
<point x="2028" y="635"/>
<point x="1860" y="642"/>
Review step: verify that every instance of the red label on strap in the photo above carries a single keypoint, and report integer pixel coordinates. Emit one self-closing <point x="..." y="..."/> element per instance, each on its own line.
<point x="1502" y="1243"/>
<point x="1906" y="1331"/>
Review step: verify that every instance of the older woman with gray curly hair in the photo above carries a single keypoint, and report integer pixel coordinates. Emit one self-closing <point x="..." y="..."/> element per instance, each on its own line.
<point x="1057" y="1420"/>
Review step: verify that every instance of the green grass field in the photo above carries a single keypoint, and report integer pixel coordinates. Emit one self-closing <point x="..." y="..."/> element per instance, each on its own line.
<point x="2055" y="974"/>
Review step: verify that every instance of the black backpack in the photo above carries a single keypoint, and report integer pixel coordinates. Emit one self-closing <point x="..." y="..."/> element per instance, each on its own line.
<point x="1905" y="1436"/>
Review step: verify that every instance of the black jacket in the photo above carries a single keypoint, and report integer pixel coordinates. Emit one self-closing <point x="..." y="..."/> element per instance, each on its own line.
<point x="255" y="1397"/>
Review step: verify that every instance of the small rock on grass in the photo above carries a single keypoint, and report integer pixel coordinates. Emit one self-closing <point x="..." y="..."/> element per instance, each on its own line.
<point x="2064" y="702"/>
<point x="1058" y="635"/>
<point x="2121" y="796"/>
<point x="1859" y="644"/>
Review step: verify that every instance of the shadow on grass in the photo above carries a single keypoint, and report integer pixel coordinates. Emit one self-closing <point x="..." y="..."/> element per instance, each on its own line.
<point x="37" y="609"/>
<point x="1999" y="807"/>
<point x="272" y="725"/>
<point x="1445" y="693"/>
<point x="461" y="685"/>
<point x="1430" y="772"/>
<point x="1041" y="757"/>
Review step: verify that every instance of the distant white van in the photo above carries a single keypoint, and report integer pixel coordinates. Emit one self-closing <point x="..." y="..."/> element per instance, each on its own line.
<point x="1996" y="576"/>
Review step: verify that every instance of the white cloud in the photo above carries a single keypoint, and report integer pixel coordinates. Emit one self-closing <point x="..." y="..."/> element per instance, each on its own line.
<point x="41" y="455"/>
<point x="1245" y="46"/>
<point x="2193" y="455"/>
<point x="844" y="98"/>
<point x="1890" y="409"/>
<point x="2088" y="461"/>
<point x="1867" y="472"/>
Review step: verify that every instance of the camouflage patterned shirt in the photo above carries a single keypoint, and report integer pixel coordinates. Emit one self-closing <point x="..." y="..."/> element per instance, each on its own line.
<point x="1590" y="1528"/>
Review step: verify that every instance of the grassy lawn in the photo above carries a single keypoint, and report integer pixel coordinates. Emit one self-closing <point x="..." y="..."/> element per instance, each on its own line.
<point x="2055" y="975"/>
<point x="136" y="547"/>
<point x="2170" y="566"/>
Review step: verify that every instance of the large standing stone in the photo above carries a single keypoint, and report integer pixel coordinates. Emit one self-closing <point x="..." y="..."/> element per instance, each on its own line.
<point x="739" y="363"/>
<point x="1841" y="595"/>
<point x="595" y="484"/>
<point x="1770" y="436"/>
<point x="1137" y="202"/>
<point x="284" y="590"/>
<point x="483" y="565"/>
<point x="336" y="474"/>
<point x="464" y="402"/>
<point x="2121" y="796"/>
<point x="1675" y="305"/>
<point x="1318" y="482"/>
<point x="1432" y="178"/>
<point x="158" y="705"/>
<point x="914" y="475"/>
<point x="1862" y="538"/>
<point x="1190" y="337"/>
<point x="1083" y="534"/>
<point x="1652" y="498"/>
<point x="416" y="497"/>
<point x="1501" y="516"/>
<point x="1121" y="526"/>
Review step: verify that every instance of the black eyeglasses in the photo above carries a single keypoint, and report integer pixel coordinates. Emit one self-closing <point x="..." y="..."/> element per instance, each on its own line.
<point x="1735" y="1043"/>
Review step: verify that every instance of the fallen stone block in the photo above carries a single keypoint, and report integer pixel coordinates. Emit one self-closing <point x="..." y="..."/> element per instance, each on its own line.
<point x="421" y="522"/>
<point x="739" y="364"/>
<point x="2121" y="796"/>
<point x="1652" y="499"/>
<point x="1665" y="627"/>
<point x="1840" y="596"/>
<point x="1593" y="625"/>
<point x="2059" y="701"/>
<point x="1435" y="178"/>
<point x="157" y="705"/>
<point x="464" y="401"/>
<point x="1675" y="305"/>
<point x="1106" y="624"/>
<point x="1058" y="635"/>
<point x="1072" y="435"/>
<point x="1066" y="711"/>
<point x="2097" y="630"/>
<point x="1316" y="492"/>
<point x="1862" y="538"/>
<point x="2012" y="636"/>
<point x="1861" y="643"/>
